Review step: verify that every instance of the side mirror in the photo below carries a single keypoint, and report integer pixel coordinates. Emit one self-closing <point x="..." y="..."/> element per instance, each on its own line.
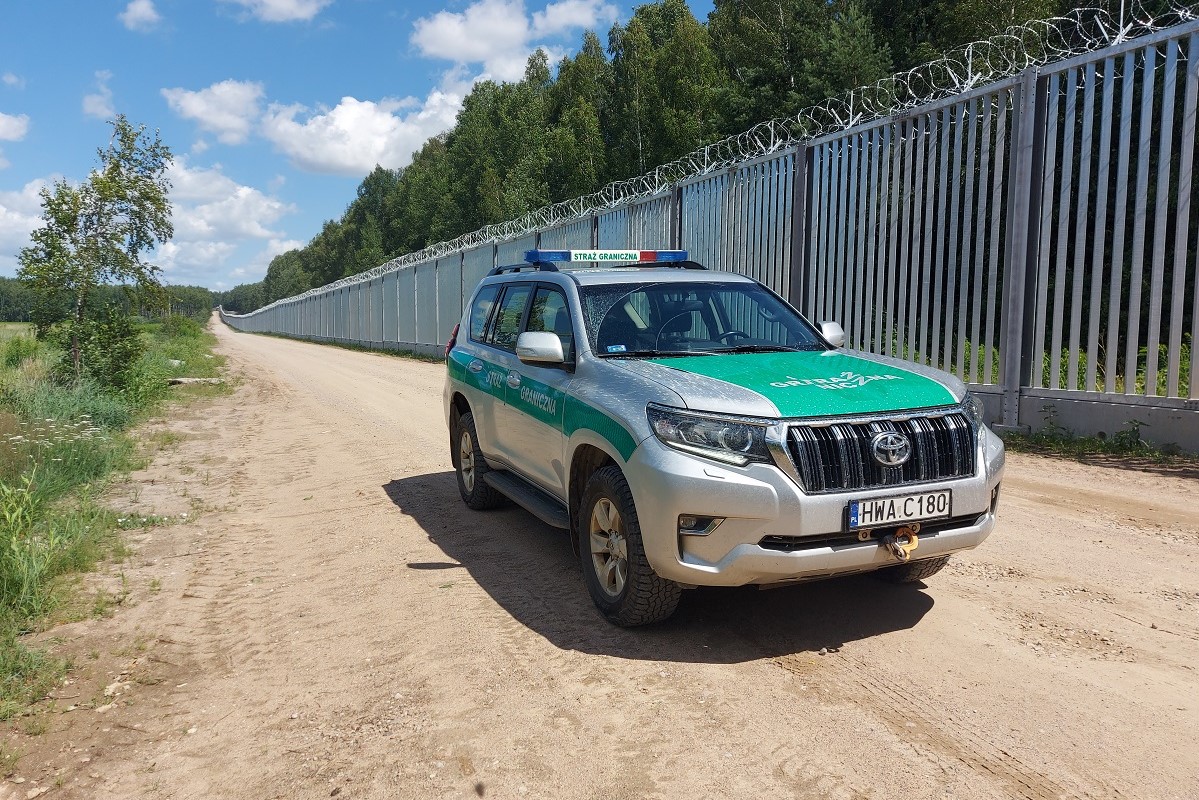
<point x="833" y="333"/>
<point x="539" y="347"/>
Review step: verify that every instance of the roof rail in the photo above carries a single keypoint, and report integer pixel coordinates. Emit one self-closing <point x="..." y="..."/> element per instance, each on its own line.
<point x="543" y="266"/>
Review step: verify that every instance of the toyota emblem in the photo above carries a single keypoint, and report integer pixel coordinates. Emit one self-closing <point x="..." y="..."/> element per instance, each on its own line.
<point x="891" y="449"/>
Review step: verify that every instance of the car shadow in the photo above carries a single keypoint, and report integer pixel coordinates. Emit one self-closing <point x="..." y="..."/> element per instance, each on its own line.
<point x="530" y="570"/>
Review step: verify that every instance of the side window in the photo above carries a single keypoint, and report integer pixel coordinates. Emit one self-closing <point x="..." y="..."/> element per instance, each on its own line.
<point x="509" y="315"/>
<point x="480" y="311"/>
<point x="551" y="314"/>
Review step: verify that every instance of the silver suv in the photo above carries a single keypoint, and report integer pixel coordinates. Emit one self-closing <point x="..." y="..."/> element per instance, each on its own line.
<point x="688" y="427"/>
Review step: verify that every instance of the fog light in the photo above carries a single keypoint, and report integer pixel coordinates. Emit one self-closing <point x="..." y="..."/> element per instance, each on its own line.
<point x="995" y="498"/>
<point x="695" y="525"/>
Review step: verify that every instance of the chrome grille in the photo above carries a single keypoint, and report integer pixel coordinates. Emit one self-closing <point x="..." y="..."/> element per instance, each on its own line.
<point x="836" y="457"/>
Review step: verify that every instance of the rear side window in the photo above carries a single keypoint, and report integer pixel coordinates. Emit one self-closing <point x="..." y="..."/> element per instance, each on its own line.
<point x="509" y="315"/>
<point x="480" y="311"/>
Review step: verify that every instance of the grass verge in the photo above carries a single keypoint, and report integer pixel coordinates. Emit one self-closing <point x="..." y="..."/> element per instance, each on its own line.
<point x="59" y="444"/>
<point x="1125" y="448"/>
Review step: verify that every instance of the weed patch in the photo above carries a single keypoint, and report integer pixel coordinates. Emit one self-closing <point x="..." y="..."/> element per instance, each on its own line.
<point x="60" y="439"/>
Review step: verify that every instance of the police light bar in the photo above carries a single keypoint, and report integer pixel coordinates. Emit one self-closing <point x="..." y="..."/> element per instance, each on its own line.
<point x="542" y="256"/>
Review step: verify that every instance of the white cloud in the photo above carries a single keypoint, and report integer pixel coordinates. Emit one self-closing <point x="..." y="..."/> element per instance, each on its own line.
<point x="500" y="35"/>
<point x="190" y="258"/>
<point x="283" y="10"/>
<point x="99" y="104"/>
<point x="13" y="127"/>
<point x="140" y="15"/>
<point x="218" y="222"/>
<point x="212" y="207"/>
<point x="355" y="135"/>
<point x="20" y="214"/>
<point x="568" y="16"/>
<point x="227" y="109"/>
<point x="12" y="81"/>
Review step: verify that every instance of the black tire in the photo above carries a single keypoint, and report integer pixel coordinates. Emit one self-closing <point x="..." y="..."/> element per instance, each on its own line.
<point x="628" y="592"/>
<point x="476" y="492"/>
<point x="913" y="570"/>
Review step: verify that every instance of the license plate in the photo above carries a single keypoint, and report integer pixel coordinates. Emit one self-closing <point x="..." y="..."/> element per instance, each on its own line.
<point x="876" y="512"/>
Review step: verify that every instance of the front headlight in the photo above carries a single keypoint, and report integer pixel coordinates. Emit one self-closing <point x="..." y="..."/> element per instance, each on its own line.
<point x="733" y="440"/>
<point x="972" y="406"/>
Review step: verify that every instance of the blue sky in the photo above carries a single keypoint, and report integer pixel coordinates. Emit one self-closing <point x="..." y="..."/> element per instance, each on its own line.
<point x="275" y="109"/>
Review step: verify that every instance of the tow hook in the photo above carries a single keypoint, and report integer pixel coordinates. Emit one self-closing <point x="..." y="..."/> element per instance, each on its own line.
<point x="902" y="542"/>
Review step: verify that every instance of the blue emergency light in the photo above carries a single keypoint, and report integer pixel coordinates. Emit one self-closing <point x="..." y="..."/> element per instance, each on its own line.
<point x="603" y="256"/>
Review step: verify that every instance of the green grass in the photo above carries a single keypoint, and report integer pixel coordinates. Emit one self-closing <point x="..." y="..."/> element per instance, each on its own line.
<point x="12" y="330"/>
<point x="1124" y="448"/>
<point x="58" y="446"/>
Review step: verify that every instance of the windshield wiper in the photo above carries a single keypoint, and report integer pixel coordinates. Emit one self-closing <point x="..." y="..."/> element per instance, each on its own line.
<point x="658" y="353"/>
<point x="760" y="348"/>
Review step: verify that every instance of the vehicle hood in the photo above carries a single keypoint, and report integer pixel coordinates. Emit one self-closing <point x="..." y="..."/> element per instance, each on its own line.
<point x="801" y="384"/>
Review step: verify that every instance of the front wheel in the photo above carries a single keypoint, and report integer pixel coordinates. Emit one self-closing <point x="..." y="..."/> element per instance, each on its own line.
<point x="619" y="578"/>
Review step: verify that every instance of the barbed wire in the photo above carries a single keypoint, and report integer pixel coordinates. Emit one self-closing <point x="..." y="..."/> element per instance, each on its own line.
<point x="1014" y="50"/>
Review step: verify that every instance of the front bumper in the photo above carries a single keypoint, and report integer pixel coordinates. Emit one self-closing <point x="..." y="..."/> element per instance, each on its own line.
<point x="772" y="531"/>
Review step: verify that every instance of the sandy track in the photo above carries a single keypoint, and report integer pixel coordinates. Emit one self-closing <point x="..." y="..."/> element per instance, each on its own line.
<point x="336" y="623"/>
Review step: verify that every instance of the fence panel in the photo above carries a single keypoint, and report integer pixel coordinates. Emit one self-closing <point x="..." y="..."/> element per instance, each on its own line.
<point x="1118" y="228"/>
<point x="475" y="266"/>
<point x="391" y="322"/>
<point x="652" y="224"/>
<point x="406" y="305"/>
<point x="612" y="229"/>
<point x="575" y="235"/>
<point x="702" y="220"/>
<point x="426" y="302"/>
<point x="906" y="228"/>
<point x="513" y="252"/>
<point x="449" y="296"/>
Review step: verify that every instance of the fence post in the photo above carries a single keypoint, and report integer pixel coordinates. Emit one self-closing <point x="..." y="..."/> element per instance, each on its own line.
<point x="676" y="217"/>
<point x="1023" y="239"/>
<point x="799" y="226"/>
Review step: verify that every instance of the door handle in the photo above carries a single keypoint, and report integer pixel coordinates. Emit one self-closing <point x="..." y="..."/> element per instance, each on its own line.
<point x="475" y="367"/>
<point x="513" y="380"/>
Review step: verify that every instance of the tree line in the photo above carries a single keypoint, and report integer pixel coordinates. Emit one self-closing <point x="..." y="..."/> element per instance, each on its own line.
<point x="19" y="303"/>
<point x="665" y="84"/>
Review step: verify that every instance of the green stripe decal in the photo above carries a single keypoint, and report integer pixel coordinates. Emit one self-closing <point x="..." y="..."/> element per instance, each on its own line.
<point x="818" y="384"/>
<point x="542" y="402"/>
<point x="581" y="416"/>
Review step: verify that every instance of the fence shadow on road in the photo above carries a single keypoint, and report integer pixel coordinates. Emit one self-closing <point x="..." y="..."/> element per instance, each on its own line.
<point x="530" y="570"/>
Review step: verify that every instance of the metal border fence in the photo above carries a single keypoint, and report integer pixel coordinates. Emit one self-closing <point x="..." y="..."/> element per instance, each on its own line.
<point x="1035" y="235"/>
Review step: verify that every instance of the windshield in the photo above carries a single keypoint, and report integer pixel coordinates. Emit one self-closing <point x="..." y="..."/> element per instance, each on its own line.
<point x="651" y="319"/>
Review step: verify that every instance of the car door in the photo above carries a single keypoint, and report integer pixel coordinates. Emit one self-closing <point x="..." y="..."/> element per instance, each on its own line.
<point x="500" y="365"/>
<point x="472" y="365"/>
<point x="537" y="396"/>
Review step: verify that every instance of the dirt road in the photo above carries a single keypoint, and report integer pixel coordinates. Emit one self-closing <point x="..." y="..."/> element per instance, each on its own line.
<point x="331" y="621"/>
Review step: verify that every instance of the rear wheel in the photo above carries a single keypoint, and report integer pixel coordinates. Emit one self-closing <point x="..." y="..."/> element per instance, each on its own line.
<point x="619" y="578"/>
<point x="469" y="466"/>
<point x="913" y="570"/>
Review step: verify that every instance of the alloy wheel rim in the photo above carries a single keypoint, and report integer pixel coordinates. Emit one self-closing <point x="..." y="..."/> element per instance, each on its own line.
<point x="466" y="461"/>
<point x="609" y="547"/>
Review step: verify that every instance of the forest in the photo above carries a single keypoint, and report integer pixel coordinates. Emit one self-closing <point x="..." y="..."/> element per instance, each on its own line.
<point x="663" y="85"/>
<point x="18" y="303"/>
